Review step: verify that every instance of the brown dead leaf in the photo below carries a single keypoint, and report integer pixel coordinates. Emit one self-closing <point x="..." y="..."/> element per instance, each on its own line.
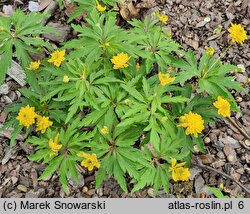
<point x="215" y="36"/>
<point x="44" y="4"/>
<point x="3" y="116"/>
<point x="128" y="8"/>
<point x="133" y="11"/>
<point x="70" y="9"/>
<point x="194" y="44"/>
<point x="206" y="158"/>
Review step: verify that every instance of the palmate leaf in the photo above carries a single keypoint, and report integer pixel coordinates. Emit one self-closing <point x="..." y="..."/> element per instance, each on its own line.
<point x="147" y="175"/>
<point x="93" y="117"/>
<point x="29" y="25"/>
<point x="128" y="137"/>
<point x="227" y="82"/>
<point x="127" y="166"/>
<point x="188" y="67"/>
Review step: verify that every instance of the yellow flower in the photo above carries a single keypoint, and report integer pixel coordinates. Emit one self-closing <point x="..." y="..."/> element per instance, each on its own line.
<point x="34" y="65"/>
<point x="90" y="161"/>
<point x="57" y="57"/>
<point x="54" y="146"/>
<point x="1" y="28"/>
<point x="66" y="79"/>
<point x="164" y="119"/>
<point x="193" y="123"/>
<point x="26" y="116"/>
<point x="120" y="60"/>
<point x="105" y="130"/>
<point x="165" y="78"/>
<point x="210" y="51"/>
<point x="179" y="173"/>
<point x="223" y="106"/>
<point x="43" y="123"/>
<point x="237" y="33"/>
<point x="127" y="102"/>
<point x="99" y="7"/>
<point x="163" y="19"/>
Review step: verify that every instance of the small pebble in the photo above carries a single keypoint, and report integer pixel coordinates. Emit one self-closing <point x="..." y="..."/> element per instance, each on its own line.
<point x="247" y="142"/>
<point x="247" y="170"/>
<point x="207" y="19"/>
<point x="221" y="155"/>
<point x="7" y="100"/>
<point x="230" y="158"/>
<point x="212" y="137"/>
<point x="196" y="149"/>
<point x="4" y="89"/>
<point x="207" y="140"/>
<point x="240" y="171"/>
<point x="151" y="192"/>
<point x="85" y="189"/>
<point x="22" y="188"/>
<point x="239" y="99"/>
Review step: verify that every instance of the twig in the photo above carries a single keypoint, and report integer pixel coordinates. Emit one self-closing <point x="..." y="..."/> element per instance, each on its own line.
<point x="3" y="15"/>
<point x="243" y="132"/>
<point x="208" y="168"/>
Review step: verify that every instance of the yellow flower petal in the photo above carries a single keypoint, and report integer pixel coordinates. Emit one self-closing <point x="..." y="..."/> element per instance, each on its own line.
<point x="34" y="65"/>
<point x="210" y="51"/>
<point x="57" y="57"/>
<point x="99" y="7"/>
<point x="105" y="130"/>
<point x="120" y="60"/>
<point x="26" y="116"/>
<point x="223" y="106"/>
<point x="54" y="146"/>
<point x="179" y="173"/>
<point x="43" y="123"/>
<point x="65" y="79"/>
<point x="237" y="33"/>
<point x="193" y="123"/>
<point x="90" y="161"/>
<point x="163" y="19"/>
<point x="165" y="78"/>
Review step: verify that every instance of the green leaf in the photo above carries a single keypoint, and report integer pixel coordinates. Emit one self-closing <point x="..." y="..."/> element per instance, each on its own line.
<point x="139" y="118"/>
<point x="63" y="174"/>
<point x="177" y="99"/>
<point x="100" y="176"/>
<point x="5" y="60"/>
<point x="72" y="169"/>
<point x="39" y="155"/>
<point x="133" y="92"/>
<point x="53" y="166"/>
<point x="119" y="176"/>
<point x="14" y="134"/>
<point x="93" y="117"/>
<point x="217" y="192"/>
